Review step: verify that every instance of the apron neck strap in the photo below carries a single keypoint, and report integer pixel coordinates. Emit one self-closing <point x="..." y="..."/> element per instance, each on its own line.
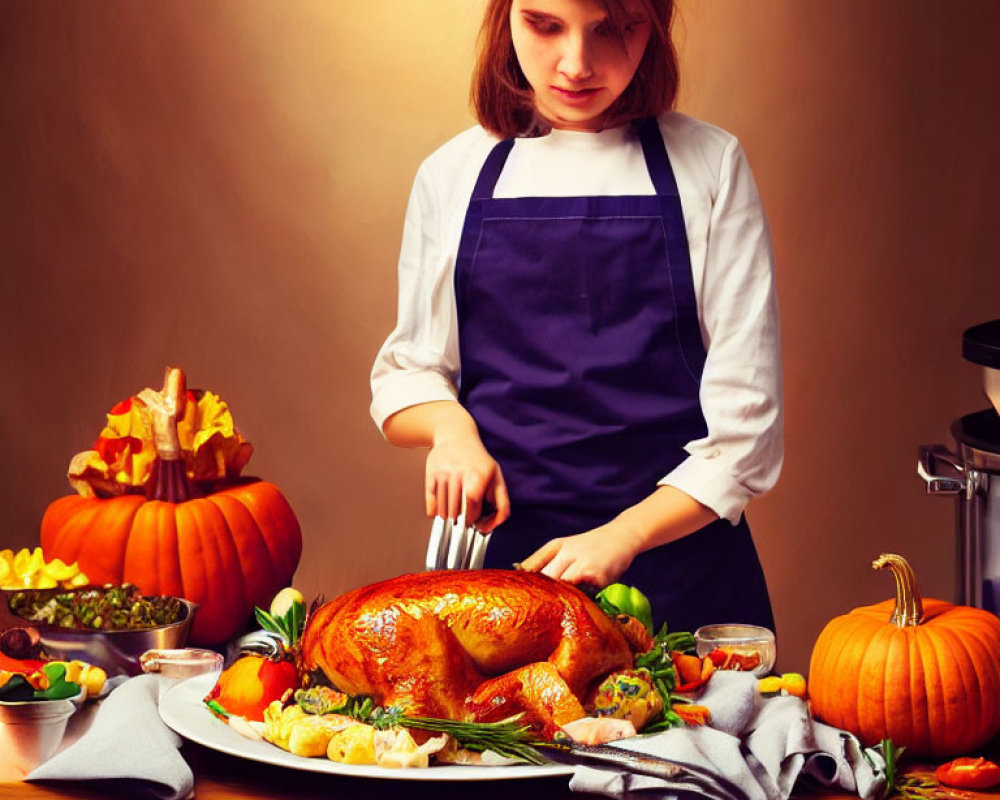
<point x="657" y="161"/>
<point x="491" y="170"/>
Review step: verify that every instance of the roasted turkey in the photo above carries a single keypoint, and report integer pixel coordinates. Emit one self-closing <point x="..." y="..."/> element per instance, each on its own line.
<point x="475" y="646"/>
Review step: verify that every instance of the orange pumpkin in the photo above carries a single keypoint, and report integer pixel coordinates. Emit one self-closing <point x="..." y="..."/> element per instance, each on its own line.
<point x="924" y="673"/>
<point x="227" y="550"/>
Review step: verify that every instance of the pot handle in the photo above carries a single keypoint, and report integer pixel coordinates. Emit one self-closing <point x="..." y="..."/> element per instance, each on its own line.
<point x="941" y="470"/>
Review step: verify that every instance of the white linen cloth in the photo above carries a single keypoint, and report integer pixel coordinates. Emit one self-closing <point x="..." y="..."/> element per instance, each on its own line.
<point x="732" y="263"/>
<point x="126" y="745"/>
<point x="759" y="747"/>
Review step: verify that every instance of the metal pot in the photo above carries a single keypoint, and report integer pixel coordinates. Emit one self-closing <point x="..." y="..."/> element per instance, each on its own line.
<point x="972" y="475"/>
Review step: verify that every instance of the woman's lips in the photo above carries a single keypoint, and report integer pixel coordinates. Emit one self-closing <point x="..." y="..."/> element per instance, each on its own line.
<point x="575" y="96"/>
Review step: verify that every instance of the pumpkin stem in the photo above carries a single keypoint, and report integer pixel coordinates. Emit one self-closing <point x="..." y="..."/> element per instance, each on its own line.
<point x="168" y="480"/>
<point x="909" y="610"/>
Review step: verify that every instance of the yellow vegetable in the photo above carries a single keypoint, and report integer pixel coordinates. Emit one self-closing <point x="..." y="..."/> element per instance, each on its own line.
<point x="310" y="736"/>
<point x="278" y="723"/>
<point x="94" y="681"/>
<point x="284" y="600"/>
<point x="794" y="684"/>
<point x="353" y="745"/>
<point x="303" y="734"/>
<point x="396" y="749"/>
<point x="790" y="683"/>
<point x="91" y="678"/>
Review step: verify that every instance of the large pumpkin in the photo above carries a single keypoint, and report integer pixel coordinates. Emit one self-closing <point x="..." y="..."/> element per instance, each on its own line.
<point x="924" y="673"/>
<point x="227" y="548"/>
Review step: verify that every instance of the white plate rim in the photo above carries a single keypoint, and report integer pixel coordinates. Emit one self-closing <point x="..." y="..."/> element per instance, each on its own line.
<point x="182" y="710"/>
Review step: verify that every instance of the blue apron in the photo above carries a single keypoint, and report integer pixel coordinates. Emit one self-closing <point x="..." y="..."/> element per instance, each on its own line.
<point x="581" y="358"/>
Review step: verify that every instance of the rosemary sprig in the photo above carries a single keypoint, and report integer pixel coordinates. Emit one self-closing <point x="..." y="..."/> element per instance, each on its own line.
<point x="363" y="709"/>
<point x="508" y="737"/>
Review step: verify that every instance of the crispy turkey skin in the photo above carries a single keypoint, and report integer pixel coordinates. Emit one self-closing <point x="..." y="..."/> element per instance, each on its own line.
<point x="468" y="645"/>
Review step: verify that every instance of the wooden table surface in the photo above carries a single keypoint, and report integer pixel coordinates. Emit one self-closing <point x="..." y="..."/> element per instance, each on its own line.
<point x="222" y="777"/>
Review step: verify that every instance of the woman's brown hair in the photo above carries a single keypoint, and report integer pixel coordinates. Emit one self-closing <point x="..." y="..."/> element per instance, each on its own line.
<point x="502" y="98"/>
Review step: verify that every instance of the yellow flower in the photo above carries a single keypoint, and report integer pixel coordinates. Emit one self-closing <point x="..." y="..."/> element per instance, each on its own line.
<point x="27" y="563"/>
<point x="29" y="570"/>
<point x="58" y="570"/>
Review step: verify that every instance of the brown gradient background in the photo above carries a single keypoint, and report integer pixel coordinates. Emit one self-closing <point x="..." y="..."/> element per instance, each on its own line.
<point x="221" y="184"/>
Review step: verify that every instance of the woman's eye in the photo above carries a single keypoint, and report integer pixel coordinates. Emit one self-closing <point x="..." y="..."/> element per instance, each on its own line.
<point x="545" y="27"/>
<point x="628" y="29"/>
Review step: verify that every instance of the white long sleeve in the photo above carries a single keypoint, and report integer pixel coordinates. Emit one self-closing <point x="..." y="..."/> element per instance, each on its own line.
<point x="732" y="264"/>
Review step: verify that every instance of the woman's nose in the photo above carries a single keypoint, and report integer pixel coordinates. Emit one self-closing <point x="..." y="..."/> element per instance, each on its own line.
<point x="575" y="60"/>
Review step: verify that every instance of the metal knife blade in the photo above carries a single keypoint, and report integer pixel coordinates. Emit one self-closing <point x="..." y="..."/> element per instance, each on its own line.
<point x="644" y="764"/>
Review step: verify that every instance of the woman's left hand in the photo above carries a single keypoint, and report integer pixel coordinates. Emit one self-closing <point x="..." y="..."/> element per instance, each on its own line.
<point x="596" y="557"/>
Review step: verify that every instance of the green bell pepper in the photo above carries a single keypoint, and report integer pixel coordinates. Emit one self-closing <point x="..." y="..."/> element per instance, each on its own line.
<point x="618" y="598"/>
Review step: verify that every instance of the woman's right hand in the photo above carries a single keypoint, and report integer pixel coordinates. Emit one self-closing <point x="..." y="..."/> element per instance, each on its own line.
<point x="458" y="464"/>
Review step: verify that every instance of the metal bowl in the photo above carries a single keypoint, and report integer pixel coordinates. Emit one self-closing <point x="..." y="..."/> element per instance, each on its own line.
<point x="31" y="731"/>
<point x="116" y="652"/>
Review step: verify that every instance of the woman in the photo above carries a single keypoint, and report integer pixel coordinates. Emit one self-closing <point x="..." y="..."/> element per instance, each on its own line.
<point x="587" y="337"/>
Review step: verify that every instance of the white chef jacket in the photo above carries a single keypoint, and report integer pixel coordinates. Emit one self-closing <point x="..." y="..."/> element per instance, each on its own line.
<point x="732" y="261"/>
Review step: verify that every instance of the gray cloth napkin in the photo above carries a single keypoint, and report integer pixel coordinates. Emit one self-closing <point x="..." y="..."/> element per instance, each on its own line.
<point x="758" y="748"/>
<point x="128" y="744"/>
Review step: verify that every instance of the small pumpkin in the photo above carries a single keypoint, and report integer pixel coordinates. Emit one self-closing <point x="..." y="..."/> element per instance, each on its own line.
<point x="924" y="673"/>
<point x="226" y="543"/>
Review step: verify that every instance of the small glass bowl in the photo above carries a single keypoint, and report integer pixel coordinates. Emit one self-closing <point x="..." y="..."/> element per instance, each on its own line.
<point x="747" y="641"/>
<point x="181" y="663"/>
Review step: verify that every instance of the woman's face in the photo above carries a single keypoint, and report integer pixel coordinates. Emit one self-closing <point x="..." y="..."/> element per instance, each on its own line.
<point x="575" y="63"/>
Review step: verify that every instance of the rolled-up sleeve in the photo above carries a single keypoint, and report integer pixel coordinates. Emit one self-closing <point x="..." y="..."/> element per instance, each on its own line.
<point x="419" y="361"/>
<point x="741" y="386"/>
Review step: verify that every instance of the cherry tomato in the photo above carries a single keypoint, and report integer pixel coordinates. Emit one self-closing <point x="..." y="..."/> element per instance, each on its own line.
<point x="968" y="773"/>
